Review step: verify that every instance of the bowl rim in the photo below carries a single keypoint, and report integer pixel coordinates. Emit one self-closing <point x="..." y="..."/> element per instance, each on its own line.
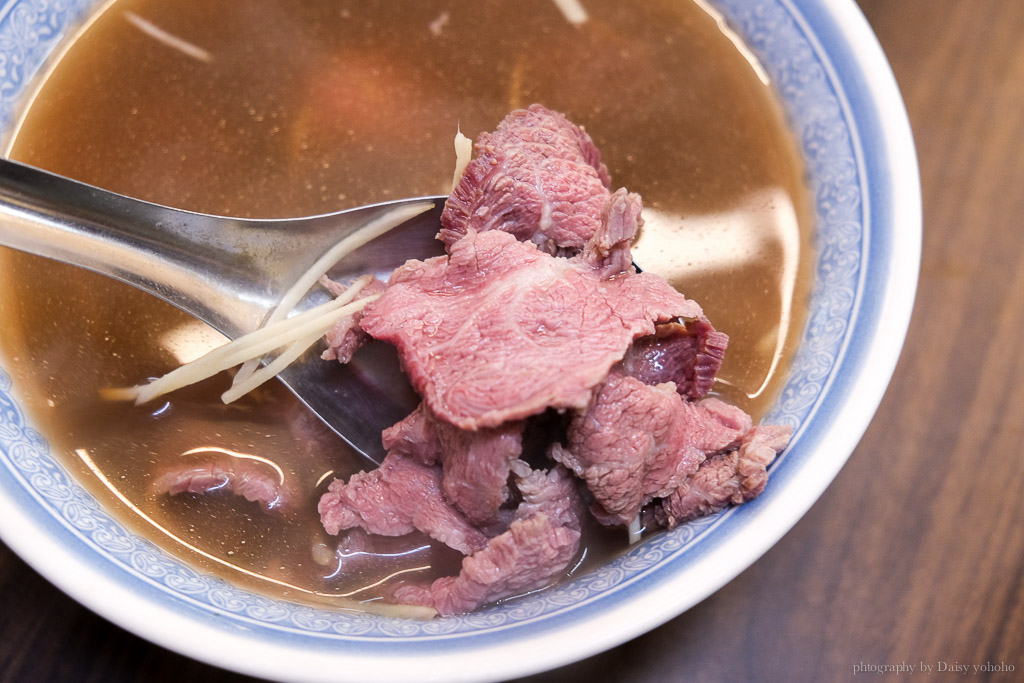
<point x="870" y="97"/>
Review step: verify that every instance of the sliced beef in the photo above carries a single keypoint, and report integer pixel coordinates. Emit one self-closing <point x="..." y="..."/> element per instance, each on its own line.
<point x="535" y="550"/>
<point x="346" y="337"/>
<point x="392" y="500"/>
<point x="532" y="554"/>
<point x="498" y="330"/>
<point x="537" y="312"/>
<point x="608" y="249"/>
<point x="689" y="355"/>
<point x="476" y="467"/>
<point x="637" y="442"/>
<point x="725" y="479"/>
<point x="251" y="479"/>
<point x="475" y="463"/>
<point x="550" y="492"/>
<point x="538" y="177"/>
<point x="415" y="437"/>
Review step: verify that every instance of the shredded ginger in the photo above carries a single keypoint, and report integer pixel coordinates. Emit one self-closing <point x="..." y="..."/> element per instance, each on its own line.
<point x="304" y="328"/>
<point x="573" y="11"/>
<point x="347" y="245"/>
<point x="292" y="335"/>
<point x="463" y="154"/>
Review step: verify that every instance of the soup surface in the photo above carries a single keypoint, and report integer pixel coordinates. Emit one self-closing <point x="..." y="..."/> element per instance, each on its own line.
<point x="291" y="107"/>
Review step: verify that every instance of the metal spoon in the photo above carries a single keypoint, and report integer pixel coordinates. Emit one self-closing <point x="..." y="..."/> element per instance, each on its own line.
<point x="229" y="273"/>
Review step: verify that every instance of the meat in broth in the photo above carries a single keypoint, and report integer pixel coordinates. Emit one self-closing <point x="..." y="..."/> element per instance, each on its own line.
<point x="292" y="107"/>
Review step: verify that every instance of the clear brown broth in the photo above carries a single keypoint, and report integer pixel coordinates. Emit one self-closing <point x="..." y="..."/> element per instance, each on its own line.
<point x="306" y="107"/>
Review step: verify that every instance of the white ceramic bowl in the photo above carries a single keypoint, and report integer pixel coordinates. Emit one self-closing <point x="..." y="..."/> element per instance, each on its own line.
<point x="846" y="110"/>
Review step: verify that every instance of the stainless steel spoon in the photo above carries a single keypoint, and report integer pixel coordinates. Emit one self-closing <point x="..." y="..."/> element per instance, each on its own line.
<point x="229" y="273"/>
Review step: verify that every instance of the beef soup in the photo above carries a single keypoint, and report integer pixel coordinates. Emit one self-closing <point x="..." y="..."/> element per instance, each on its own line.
<point x="296" y="107"/>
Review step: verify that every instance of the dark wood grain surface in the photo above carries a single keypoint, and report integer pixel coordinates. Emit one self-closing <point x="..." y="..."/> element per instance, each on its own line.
<point x="915" y="554"/>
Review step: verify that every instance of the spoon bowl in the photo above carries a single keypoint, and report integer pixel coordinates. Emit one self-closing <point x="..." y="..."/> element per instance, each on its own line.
<point x="232" y="272"/>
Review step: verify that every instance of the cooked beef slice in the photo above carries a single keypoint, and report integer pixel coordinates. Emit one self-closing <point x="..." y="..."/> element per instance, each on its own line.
<point x="250" y="479"/>
<point x="498" y="330"/>
<point x="550" y="492"/>
<point x="636" y="442"/>
<point x="475" y="463"/>
<point x="346" y="337"/>
<point x="535" y="550"/>
<point x="392" y="500"/>
<point x="538" y="177"/>
<point x="415" y="437"/>
<point x="532" y="554"/>
<point x="608" y="249"/>
<point x="476" y="467"/>
<point x="725" y="479"/>
<point x="689" y="355"/>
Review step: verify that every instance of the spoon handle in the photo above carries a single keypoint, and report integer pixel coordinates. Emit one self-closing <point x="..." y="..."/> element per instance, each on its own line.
<point x="226" y="271"/>
<point x="176" y="255"/>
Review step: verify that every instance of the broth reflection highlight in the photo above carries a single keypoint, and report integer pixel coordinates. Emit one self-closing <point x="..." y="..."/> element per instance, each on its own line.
<point x="306" y="107"/>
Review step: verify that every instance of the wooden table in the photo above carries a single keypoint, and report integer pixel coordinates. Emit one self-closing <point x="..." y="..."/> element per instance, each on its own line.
<point x="916" y="552"/>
